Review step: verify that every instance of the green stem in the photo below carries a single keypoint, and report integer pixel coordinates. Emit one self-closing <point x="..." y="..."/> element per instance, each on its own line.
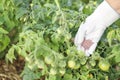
<point x="110" y="56"/>
<point x="57" y="3"/>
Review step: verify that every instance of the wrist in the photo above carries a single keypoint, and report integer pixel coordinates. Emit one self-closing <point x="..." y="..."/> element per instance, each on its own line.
<point x="118" y="11"/>
<point x="104" y="14"/>
<point x="115" y="4"/>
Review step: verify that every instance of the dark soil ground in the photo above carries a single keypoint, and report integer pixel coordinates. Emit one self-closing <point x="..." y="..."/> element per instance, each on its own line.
<point x="11" y="71"/>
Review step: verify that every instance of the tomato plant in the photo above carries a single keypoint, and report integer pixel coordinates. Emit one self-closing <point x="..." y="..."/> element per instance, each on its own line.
<point x="41" y="31"/>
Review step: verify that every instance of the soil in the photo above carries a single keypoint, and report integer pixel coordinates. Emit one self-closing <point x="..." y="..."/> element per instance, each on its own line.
<point x="11" y="71"/>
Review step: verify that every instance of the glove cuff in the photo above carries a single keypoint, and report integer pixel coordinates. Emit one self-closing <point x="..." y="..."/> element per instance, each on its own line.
<point x="105" y="14"/>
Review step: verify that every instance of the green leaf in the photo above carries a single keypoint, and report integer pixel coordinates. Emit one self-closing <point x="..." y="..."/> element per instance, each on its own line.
<point x="1" y="20"/>
<point x="10" y="56"/>
<point x="117" y="58"/>
<point x="6" y="17"/>
<point x="117" y="22"/>
<point x="4" y="41"/>
<point x="10" y="24"/>
<point x="51" y="77"/>
<point x="1" y="7"/>
<point x="62" y="63"/>
<point x="67" y="77"/>
<point x="17" y="2"/>
<point x="54" y="19"/>
<point x="111" y="36"/>
<point x="57" y="3"/>
<point x="3" y="31"/>
<point x="116" y="51"/>
<point x="83" y="77"/>
<point x="20" y="51"/>
<point x="27" y="77"/>
<point x="69" y="3"/>
<point x="20" y="12"/>
<point x="85" y="1"/>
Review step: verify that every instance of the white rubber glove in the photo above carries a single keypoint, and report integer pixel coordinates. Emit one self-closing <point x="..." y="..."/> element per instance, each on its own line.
<point x="94" y="26"/>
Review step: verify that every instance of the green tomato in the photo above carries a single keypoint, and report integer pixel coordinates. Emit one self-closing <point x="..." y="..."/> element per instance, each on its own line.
<point x="62" y="63"/>
<point x="92" y="62"/>
<point x="77" y="66"/>
<point x="62" y="71"/>
<point x="104" y="65"/>
<point x="55" y="38"/>
<point x="71" y="64"/>
<point x="81" y="54"/>
<point x="83" y="61"/>
<point x="48" y="60"/>
<point x="53" y="71"/>
<point x="87" y="10"/>
<point x="59" y="31"/>
<point x="68" y="37"/>
<point x="90" y="75"/>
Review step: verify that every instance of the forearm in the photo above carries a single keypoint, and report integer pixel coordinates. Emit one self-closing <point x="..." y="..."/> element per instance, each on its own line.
<point x="90" y="32"/>
<point x="115" y="4"/>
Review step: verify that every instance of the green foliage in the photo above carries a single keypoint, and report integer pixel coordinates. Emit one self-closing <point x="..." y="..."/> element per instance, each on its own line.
<point x="4" y="40"/>
<point x="42" y="30"/>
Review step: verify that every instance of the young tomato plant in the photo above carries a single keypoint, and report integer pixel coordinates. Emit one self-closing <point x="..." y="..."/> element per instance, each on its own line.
<point x="46" y="29"/>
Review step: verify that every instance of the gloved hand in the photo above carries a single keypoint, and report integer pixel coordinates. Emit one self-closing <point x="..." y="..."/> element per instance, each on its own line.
<point x="90" y="32"/>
